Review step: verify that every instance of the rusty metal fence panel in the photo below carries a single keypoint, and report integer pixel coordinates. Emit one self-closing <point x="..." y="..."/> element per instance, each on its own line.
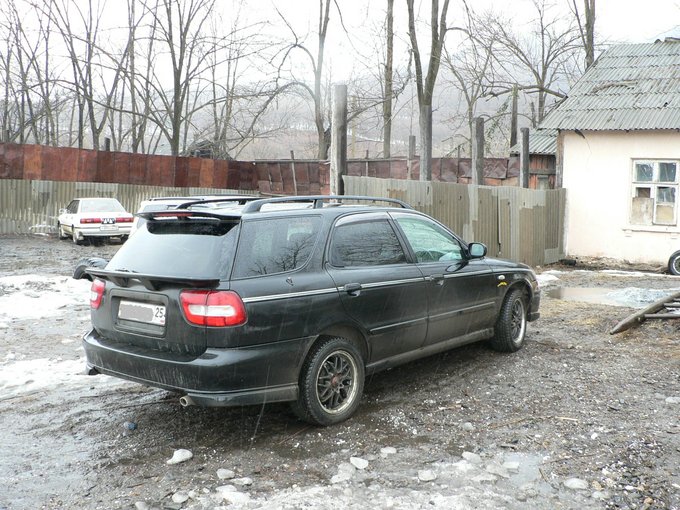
<point x="29" y="206"/>
<point x="524" y="225"/>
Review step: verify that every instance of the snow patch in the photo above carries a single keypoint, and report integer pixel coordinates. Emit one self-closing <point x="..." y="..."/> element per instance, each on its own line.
<point x="545" y="279"/>
<point x="36" y="296"/>
<point x="19" y="377"/>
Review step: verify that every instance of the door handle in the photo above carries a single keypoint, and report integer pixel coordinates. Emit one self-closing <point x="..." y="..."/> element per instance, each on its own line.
<point x="435" y="278"/>
<point x="353" y="289"/>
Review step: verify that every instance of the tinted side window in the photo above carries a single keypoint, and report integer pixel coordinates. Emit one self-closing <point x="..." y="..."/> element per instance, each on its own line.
<point x="369" y="243"/>
<point x="275" y="245"/>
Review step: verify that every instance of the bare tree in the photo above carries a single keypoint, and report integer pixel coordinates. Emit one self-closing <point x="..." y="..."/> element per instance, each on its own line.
<point x="586" y="27"/>
<point x="375" y="86"/>
<point x="97" y="73"/>
<point x="236" y="108"/>
<point x="29" y="100"/>
<point x="425" y="84"/>
<point x="139" y="90"/>
<point x="316" y="61"/>
<point x="389" y="74"/>
<point x="176" y="31"/>
<point x="6" y="65"/>
<point x="472" y="75"/>
<point x="536" y="57"/>
<point x="472" y="78"/>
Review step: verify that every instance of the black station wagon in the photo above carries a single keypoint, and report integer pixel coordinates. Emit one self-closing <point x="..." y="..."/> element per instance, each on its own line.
<point x="295" y="299"/>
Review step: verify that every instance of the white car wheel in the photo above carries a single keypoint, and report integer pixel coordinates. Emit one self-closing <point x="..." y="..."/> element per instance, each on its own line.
<point x="60" y="230"/>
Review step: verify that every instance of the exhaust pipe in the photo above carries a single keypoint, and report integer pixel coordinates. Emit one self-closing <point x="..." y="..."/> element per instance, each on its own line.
<point x="186" y="401"/>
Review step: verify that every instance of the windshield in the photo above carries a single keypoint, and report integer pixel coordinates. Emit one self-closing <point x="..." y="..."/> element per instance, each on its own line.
<point x="187" y="249"/>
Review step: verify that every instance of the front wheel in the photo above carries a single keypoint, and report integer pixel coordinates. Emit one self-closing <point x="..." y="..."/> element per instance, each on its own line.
<point x="511" y="326"/>
<point x="331" y="383"/>
<point x="674" y="264"/>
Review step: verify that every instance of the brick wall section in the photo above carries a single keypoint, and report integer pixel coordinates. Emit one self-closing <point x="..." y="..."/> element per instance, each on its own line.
<point x="37" y="162"/>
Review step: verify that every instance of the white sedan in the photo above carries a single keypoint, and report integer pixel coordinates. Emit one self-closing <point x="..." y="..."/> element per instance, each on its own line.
<point x="94" y="219"/>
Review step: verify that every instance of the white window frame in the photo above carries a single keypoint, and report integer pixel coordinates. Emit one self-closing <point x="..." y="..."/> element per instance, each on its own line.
<point x="654" y="185"/>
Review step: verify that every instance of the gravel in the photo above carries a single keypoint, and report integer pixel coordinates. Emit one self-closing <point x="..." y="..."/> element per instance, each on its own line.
<point x="576" y="419"/>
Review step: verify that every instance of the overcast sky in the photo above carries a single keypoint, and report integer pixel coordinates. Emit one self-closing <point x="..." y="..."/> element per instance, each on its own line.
<point x="617" y="21"/>
<point x="637" y="21"/>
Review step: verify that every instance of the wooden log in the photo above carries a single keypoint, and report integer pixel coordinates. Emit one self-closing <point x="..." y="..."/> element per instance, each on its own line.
<point x="662" y="316"/>
<point x="639" y="316"/>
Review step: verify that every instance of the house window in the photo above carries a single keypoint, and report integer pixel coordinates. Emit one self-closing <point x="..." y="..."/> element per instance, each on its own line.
<point x="655" y="188"/>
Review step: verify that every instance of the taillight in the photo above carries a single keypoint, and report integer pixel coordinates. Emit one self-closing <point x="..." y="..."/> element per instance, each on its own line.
<point x="90" y="220"/>
<point x="213" y="308"/>
<point x="123" y="220"/>
<point x="97" y="293"/>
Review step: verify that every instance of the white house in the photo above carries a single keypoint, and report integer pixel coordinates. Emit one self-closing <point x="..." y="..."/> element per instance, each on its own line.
<point x="618" y="154"/>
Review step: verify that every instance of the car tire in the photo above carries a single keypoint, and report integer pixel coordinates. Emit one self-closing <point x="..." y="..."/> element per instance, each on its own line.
<point x="511" y="325"/>
<point x="674" y="264"/>
<point x="96" y="262"/>
<point x="60" y="231"/>
<point x="74" y="236"/>
<point x="331" y="383"/>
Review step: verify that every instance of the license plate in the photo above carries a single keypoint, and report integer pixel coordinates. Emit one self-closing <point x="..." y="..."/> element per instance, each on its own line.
<point x="142" y="312"/>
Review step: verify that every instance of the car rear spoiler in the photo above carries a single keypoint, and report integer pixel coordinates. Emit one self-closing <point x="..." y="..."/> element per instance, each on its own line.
<point x="188" y="213"/>
<point x="150" y="282"/>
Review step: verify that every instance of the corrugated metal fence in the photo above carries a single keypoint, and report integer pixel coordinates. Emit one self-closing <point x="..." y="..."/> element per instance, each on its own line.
<point x="515" y="223"/>
<point x="33" y="206"/>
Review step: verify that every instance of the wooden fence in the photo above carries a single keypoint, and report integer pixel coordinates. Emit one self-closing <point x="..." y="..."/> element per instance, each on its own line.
<point x="520" y="224"/>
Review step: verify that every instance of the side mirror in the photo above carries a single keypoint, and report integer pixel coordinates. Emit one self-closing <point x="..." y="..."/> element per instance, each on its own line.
<point x="62" y="211"/>
<point x="477" y="250"/>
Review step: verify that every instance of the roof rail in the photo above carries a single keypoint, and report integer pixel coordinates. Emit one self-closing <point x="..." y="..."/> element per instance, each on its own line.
<point x="239" y="199"/>
<point x="318" y="201"/>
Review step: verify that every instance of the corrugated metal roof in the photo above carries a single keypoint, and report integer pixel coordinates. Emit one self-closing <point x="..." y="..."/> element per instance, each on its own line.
<point x="630" y="86"/>
<point x="541" y="141"/>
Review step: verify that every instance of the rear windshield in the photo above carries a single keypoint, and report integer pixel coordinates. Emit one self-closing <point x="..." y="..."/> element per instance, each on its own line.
<point x="196" y="248"/>
<point x="101" y="204"/>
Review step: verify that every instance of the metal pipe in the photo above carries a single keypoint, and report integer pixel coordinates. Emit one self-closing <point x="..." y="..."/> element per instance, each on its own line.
<point x="186" y="401"/>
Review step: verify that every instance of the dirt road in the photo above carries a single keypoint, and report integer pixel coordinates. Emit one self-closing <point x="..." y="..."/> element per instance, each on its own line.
<point x="576" y="419"/>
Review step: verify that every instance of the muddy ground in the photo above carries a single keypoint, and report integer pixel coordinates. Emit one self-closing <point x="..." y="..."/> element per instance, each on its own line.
<point x="576" y="419"/>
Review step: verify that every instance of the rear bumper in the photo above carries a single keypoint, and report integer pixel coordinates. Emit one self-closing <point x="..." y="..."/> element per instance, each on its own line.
<point x="218" y="377"/>
<point x="82" y="232"/>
